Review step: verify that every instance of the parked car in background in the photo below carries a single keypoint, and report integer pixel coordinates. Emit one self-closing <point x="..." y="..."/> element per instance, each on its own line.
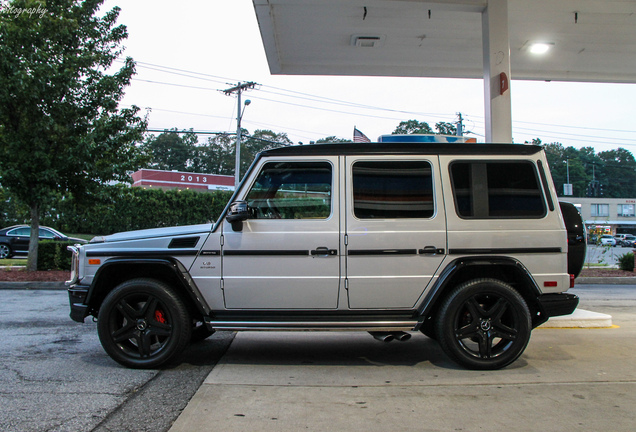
<point x="607" y="240"/>
<point x="14" y="240"/>
<point x="619" y="238"/>
<point x="628" y="241"/>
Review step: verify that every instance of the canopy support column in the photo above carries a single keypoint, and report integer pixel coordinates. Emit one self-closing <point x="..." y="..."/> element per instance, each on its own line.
<point x="496" y="45"/>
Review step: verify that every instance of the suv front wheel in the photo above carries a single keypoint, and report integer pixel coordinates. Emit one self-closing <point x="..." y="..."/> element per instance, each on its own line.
<point x="143" y="323"/>
<point x="484" y="324"/>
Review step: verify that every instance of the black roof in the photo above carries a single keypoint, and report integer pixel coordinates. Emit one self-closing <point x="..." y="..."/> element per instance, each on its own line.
<point x="345" y="149"/>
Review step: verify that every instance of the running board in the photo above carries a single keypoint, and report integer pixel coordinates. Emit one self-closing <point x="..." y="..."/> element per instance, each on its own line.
<point x="313" y="325"/>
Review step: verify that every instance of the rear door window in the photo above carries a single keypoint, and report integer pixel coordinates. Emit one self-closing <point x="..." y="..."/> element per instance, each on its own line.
<point x="392" y="190"/>
<point x="501" y="189"/>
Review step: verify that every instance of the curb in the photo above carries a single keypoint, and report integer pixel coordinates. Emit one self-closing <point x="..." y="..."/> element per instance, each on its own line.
<point x="33" y="286"/>
<point x="605" y="281"/>
<point x="580" y="318"/>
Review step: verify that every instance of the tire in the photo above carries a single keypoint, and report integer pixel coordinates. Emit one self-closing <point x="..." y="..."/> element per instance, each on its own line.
<point x="484" y="324"/>
<point x="143" y="324"/>
<point x="5" y="251"/>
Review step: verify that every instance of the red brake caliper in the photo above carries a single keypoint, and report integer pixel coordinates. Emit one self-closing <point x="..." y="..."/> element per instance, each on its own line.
<point x="159" y="316"/>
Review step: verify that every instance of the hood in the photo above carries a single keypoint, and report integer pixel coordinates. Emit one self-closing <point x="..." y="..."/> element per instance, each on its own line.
<point x="155" y="232"/>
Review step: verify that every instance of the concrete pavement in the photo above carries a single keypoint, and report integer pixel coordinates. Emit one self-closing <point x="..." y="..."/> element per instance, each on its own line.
<point x="567" y="379"/>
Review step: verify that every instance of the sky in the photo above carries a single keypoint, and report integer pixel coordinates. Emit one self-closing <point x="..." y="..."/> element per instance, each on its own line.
<point x="188" y="52"/>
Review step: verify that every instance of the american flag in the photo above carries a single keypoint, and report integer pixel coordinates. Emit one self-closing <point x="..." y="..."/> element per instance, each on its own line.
<point x="359" y="136"/>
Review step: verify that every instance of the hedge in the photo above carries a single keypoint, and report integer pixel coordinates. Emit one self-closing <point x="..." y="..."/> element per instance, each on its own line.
<point x="53" y="255"/>
<point x="119" y="209"/>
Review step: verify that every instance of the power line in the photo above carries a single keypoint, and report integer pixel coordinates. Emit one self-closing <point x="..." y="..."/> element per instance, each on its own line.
<point x="285" y="93"/>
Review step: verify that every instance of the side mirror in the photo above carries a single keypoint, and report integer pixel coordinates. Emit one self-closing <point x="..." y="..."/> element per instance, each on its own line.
<point x="238" y="212"/>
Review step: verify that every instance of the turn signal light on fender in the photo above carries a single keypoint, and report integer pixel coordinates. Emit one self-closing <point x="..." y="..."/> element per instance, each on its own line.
<point x="94" y="261"/>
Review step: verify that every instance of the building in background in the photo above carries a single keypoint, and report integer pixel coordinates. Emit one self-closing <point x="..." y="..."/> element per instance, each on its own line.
<point x="607" y="215"/>
<point x="150" y="178"/>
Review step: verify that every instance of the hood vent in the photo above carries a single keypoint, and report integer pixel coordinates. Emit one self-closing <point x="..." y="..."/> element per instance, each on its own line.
<point x="183" y="242"/>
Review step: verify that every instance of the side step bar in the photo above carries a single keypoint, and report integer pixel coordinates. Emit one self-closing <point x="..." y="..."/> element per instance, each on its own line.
<point x="374" y="326"/>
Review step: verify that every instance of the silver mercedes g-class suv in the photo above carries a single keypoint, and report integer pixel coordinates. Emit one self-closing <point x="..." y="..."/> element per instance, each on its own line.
<point x="466" y="243"/>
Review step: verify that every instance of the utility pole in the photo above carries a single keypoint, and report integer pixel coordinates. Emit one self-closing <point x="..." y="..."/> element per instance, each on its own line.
<point x="238" y="89"/>
<point x="460" y="125"/>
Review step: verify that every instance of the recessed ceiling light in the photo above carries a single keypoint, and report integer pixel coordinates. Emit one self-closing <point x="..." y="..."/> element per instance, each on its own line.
<point x="540" y="47"/>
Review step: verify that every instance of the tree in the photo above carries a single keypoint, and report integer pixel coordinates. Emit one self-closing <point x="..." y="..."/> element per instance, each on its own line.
<point x="332" y="139"/>
<point x="60" y="127"/>
<point x="445" y="128"/>
<point x="618" y="173"/>
<point x="217" y="155"/>
<point x="418" y="127"/>
<point x="172" y="151"/>
<point x="561" y="160"/>
<point x="261" y="139"/>
<point x="412" y="127"/>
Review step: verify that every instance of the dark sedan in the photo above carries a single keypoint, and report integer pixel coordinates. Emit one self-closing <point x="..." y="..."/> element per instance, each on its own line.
<point x="14" y="240"/>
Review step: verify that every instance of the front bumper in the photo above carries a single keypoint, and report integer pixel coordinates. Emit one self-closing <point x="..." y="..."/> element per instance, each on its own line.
<point x="77" y="295"/>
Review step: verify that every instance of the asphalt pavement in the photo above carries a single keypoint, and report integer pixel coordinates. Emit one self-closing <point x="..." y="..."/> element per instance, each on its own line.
<point x="55" y="376"/>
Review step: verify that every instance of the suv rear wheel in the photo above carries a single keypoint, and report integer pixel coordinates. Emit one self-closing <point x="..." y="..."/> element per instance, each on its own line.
<point x="143" y="323"/>
<point x="484" y="324"/>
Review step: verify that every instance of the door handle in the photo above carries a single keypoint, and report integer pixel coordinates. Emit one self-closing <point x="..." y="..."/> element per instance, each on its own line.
<point x="324" y="252"/>
<point x="431" y="250"/>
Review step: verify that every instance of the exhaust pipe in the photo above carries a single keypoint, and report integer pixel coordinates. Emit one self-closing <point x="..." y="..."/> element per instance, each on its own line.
<point x="382" y="336"/>
<point x="402" y="336"/>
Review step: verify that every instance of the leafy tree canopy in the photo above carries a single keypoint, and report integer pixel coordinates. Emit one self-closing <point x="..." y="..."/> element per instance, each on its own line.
<point x="418" y="127"/>
<point x="60" y="126"/>
<point x="172" y="150"/>
<point x="332" y="139"/>
<point x="610" y="174"/>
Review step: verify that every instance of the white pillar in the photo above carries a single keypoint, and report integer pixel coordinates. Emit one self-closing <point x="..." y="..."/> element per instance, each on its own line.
<point x="496" y="46"/>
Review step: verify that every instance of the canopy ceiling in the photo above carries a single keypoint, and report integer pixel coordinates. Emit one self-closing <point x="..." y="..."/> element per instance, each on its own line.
<point x="591" y="40"/>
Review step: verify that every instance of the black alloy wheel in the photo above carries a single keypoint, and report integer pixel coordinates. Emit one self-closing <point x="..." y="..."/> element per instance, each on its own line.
<point x="143" y="324"/>
<point x="484" y="324"/>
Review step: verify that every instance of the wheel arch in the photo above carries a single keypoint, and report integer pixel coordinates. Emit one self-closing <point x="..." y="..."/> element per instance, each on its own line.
<point x="505" y="269"/>
<point x="168" y="270"/>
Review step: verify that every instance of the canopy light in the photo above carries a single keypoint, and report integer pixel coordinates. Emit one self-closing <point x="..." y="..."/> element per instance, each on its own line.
<point x="540" y="47"/>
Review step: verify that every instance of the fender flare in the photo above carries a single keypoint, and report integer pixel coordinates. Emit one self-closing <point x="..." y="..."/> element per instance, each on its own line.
<point x="455" y="267"/>
<point x="173" y="266"/>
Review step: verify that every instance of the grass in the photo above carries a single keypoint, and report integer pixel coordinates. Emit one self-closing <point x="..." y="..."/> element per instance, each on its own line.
<point x="13" y="262"/>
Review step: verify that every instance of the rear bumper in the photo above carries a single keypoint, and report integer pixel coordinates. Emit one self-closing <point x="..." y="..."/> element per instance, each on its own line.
<point x="77" y="295"/>
<point x="558" y="304"/>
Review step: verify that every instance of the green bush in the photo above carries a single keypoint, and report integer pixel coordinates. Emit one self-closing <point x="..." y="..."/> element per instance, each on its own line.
<point x="626" y="261"/>
<point x="53" y="255"/>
